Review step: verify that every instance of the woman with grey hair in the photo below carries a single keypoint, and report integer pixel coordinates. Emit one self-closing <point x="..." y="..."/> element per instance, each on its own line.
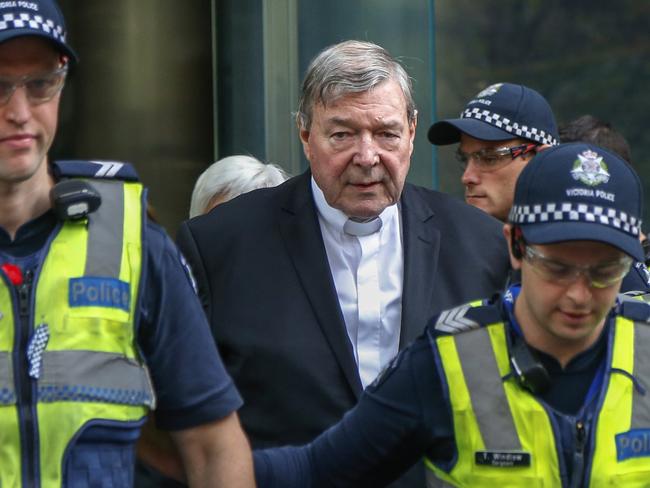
<point x="230" y="177"/>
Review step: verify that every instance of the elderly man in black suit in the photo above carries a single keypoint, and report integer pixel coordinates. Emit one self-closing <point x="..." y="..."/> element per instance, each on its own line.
<point x="311" y="287"/>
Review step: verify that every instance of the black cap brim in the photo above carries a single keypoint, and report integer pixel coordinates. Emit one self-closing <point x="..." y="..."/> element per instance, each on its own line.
<point x="448" y="131"/>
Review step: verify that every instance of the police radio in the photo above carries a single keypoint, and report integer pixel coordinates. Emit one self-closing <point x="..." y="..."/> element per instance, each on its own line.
<point x="529" y="371"/>
<point x="74" y="199"/>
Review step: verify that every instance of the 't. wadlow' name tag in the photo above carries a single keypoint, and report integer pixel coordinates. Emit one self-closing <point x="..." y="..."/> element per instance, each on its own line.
<point x="502" y="459"/>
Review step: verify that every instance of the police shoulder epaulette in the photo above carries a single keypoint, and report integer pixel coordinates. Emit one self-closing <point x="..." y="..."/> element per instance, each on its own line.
<point x="634" y="307"/>
<point x="467" y="317"/>
<point x="94" y="169"/>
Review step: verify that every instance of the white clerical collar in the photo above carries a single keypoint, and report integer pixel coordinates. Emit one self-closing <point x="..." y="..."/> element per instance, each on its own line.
<point x="337" y="219"/>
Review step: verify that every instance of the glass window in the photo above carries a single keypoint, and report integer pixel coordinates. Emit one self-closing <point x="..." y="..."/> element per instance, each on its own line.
<point x="584" y="56"/>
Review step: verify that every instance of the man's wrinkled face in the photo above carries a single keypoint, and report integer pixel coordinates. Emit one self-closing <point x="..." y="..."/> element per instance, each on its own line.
<point x="26" y="129"/>
<point x="359" y="148"/>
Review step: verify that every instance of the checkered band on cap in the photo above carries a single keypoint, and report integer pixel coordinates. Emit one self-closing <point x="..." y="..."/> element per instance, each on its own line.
<point x="570" y="212"/>
<point x="507" y="125"/>
<point x="35" y="22"/>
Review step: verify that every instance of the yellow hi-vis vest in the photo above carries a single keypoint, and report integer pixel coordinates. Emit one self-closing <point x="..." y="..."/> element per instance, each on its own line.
<point x="504" y="435"/>
<point x="89" y="370"/>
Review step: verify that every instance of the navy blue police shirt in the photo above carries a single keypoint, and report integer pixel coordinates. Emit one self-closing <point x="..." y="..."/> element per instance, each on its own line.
<point x="192" y="387"/>
<point x="403" y="416"/>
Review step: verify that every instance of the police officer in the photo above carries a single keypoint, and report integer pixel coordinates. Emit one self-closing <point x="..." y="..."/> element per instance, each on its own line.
<point x="98" y="319"/>
<point x="501" y="128"/>
<point x="546" y="385"/>
<point x="499" y="131"/>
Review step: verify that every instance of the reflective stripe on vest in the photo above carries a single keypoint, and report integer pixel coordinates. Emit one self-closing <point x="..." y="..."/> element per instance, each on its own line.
<point x="87" y="295"/>
<point x="105" y="228"/>
<point x="9" y="429"/>
<point x="487" y="393"/>
<point x="91" y="376"/>
<point x="7" y="391"/>
<point x="7" y="387"/>
<point x="480" y="401"/>
<point x="640" y="405"/>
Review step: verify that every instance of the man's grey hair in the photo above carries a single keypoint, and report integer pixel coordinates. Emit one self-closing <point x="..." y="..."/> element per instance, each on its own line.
<point x="230" y="177"/>
<point x="350" y="67"/>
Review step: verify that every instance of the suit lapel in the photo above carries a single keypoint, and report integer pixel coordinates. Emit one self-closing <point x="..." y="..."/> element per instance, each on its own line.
<point x="302" y="237"/>
<point x="421" y="248"/>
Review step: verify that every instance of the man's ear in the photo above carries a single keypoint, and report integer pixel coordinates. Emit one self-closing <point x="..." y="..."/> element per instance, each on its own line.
<point x="304" y="139"/>
<point x="412" y="124"/>
<point x="513" y="250"/>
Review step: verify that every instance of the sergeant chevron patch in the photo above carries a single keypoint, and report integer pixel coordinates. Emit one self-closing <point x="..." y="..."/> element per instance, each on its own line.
<point x="454" y="321"/>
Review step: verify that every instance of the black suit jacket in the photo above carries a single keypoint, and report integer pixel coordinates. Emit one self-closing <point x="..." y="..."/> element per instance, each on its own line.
<point x="263" y="276"/>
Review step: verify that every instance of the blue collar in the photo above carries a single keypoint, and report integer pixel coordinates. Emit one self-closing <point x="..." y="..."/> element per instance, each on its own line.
<point x="509" y="299"/>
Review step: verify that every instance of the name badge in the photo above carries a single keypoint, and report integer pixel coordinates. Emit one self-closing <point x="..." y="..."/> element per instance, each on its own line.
<point x="502" y="459"/>
<point x="633" y="444"/>
<point x="99" y="292"/>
